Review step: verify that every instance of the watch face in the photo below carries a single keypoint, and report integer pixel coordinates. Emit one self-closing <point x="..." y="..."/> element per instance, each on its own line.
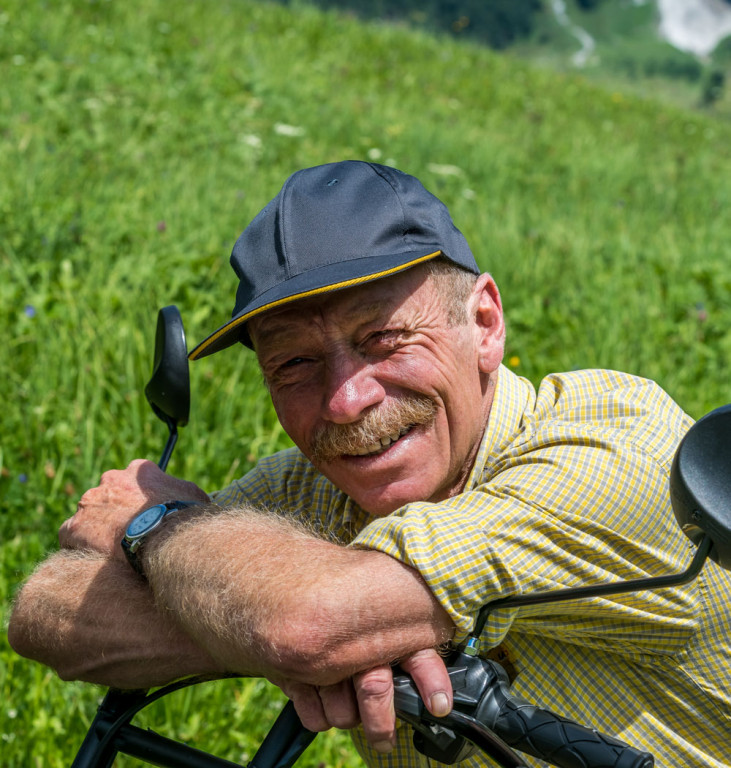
<point x="146" y="520"/>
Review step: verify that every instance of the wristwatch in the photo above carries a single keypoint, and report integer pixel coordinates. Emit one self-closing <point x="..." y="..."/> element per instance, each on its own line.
<point x="144" y="523"/>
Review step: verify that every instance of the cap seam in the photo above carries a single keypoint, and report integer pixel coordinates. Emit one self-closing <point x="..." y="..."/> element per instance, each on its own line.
<point x="390" y="183"/>
<point x="282" y="228"/>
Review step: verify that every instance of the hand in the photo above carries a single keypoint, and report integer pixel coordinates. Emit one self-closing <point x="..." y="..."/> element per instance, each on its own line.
<point x="104" y="512"/>
<point x="368" y="698"/>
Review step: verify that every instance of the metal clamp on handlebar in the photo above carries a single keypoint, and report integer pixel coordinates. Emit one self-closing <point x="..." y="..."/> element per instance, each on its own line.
<point x="488" y="716"/>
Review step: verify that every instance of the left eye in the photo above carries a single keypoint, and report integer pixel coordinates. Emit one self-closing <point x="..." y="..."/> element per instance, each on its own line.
<point x="293" y="361"/>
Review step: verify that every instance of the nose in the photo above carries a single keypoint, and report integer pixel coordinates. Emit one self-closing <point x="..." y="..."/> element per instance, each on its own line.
<point x="351" y="388"/>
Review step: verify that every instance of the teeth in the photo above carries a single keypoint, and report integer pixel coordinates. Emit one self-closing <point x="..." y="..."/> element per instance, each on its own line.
<point x="383" y="443"/>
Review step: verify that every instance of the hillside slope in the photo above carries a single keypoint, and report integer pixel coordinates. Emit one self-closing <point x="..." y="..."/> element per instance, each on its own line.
<point x="135" y="144"/>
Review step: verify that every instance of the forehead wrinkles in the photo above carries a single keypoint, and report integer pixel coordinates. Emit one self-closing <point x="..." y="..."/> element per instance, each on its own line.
<point x="380" y="301"/>
<point x="290" y="324"/>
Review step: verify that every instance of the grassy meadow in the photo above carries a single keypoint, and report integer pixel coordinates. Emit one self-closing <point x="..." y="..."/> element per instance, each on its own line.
<point x="138" y="139"/>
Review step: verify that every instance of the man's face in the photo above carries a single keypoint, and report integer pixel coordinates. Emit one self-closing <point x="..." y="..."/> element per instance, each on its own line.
<point x="385" y="397"/>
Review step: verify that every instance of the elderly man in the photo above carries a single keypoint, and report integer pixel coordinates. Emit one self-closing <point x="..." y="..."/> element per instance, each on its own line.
<point x="427" y="480"/>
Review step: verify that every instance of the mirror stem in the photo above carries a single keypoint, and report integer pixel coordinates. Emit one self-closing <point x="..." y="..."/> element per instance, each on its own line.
<point x="599" y="590"/>
<point x="172" y="439"/>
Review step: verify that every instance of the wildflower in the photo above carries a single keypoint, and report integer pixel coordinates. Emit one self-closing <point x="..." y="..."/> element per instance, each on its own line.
<point x="30" y="310"/>
<point x="250" y="139"/>
<point x="288" y="130"/>
<point x="22" y="477"/>
<point x="445" y="170"/>
<point x="161" y="226"/>
<point x="514" y="361"/>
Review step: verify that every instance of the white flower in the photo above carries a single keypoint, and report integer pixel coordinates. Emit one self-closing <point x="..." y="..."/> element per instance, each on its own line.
<point x="445" y="170"/>
<point x="250" y="140"/>
<point x="288" y="130"/>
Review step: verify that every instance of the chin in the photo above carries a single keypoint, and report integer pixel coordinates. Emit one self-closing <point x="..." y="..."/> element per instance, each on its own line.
<point x="384" y="504"/>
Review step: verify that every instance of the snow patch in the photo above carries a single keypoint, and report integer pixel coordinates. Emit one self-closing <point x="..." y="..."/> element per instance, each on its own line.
<point x="695" y="26"/>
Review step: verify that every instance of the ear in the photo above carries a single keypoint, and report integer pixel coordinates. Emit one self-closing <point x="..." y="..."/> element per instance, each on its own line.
<point x="487" y="310"/>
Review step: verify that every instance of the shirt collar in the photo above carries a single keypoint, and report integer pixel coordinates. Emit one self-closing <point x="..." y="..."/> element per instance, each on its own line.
<point x="514" y="396"/>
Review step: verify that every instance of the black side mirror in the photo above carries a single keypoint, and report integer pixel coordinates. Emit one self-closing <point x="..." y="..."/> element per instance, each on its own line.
<point x="700" y="483"/>
<point x="168" y="390"/>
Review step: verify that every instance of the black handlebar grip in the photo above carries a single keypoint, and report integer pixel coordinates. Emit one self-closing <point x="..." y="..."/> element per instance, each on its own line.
<point x="555" y="739"/>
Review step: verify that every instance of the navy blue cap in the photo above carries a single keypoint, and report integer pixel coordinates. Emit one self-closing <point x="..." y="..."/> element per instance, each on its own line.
<point x="332" y="227"/>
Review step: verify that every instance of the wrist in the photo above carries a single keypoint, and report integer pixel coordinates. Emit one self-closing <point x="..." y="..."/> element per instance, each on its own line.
<point x="146" y="524"/>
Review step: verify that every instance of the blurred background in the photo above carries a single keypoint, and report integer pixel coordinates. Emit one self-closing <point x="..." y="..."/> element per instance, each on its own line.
<point x="679" y="50"/>
<point x="582" y="146"/>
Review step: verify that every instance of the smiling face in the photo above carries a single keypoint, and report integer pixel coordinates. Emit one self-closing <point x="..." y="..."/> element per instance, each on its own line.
<point x="380" y="389"/>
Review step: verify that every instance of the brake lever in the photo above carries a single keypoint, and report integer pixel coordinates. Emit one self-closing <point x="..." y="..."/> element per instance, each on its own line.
<point x="486" y="715"/>
<point x="458" y="735"/>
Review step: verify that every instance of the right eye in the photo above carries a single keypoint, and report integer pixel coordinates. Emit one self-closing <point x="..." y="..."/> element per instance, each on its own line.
<point x="291" y="370"/>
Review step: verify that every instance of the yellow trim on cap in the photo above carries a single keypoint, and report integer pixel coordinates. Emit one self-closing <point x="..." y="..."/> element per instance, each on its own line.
<point x="196" y="353"/>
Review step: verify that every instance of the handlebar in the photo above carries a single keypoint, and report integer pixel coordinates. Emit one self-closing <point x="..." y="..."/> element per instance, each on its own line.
<point x="486" y="716"/>
<point x="483" y="701"/>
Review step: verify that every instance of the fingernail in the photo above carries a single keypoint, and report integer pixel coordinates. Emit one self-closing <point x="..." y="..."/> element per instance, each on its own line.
<point x="439" y="704"/>
<point x="383" y="746"/>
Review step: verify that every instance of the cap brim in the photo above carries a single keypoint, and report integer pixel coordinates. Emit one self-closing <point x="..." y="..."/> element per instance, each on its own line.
<point x="331" y="277"/>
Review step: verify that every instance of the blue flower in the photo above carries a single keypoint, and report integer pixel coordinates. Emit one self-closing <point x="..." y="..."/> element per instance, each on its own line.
<point x="30" y="310"/>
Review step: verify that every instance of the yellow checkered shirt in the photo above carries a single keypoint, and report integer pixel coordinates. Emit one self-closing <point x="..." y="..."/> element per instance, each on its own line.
<point x="570" y="487"/>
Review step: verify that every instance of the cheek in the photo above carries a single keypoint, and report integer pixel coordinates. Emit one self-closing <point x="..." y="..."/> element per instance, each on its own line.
<point x="431" y="373"/>
<point x="293" y="415"/>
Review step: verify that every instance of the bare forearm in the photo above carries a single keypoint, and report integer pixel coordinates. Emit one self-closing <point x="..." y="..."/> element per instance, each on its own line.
<point x="91" y="618"/>
<point x="266" y="598"/>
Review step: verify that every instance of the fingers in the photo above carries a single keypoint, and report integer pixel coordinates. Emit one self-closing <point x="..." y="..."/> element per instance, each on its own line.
<point x="307" y="705"/>
<point x="104" y="512"/>
<point x="374" y="692"/>
<point x="369" y="698"/>
<point x="339" y="704"/>
<point x="323" y="707"/>
<point x="429" y="672"/>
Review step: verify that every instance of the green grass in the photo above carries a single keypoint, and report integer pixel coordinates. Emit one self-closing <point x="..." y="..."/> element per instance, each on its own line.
<point x="137" y="140"/>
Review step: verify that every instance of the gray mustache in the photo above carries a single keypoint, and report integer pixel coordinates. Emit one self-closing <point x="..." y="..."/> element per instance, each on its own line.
<point x="333" y="440"/>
